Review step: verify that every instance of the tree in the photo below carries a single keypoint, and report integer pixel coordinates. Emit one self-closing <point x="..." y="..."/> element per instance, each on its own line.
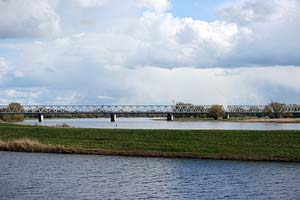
<point x="14" y="107"/>
<point x="216" y="111"/>
<point x="274" y="110"/>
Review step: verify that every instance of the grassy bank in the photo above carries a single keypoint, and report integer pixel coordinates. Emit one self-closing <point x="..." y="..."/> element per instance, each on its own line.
<point x="212" y="144"/>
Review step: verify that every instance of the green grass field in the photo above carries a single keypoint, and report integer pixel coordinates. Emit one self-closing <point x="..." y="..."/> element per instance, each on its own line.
<point x="215" y="144"/>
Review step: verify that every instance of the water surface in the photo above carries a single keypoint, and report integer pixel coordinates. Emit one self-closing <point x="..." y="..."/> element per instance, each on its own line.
<point x="60" y="176"/>
<point x="147" y="123"/>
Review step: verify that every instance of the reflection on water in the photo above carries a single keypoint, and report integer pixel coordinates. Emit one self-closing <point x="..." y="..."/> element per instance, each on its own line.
<point x="146" y="123"/>
<point x="59" y="176"/>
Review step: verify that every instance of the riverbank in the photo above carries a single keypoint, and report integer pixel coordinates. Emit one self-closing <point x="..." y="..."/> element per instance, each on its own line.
<point x="204" y="144"/>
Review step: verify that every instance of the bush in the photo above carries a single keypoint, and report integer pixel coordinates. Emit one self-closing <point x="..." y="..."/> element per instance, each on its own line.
<point x="13" y="117"/>
<point x="274" y="110"/>
<point x="216" y="111"/>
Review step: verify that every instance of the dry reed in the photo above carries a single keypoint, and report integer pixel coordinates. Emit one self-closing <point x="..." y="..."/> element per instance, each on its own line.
<point x="30" y="145"/>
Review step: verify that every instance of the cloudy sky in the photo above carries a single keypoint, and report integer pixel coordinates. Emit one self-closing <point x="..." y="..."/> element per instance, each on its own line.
<point x="149" y="51"/>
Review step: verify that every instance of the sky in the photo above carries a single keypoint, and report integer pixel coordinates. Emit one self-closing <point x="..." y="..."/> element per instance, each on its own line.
<point x="149" y="51"/>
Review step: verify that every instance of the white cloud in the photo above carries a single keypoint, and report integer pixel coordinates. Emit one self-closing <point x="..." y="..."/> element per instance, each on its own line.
<point x="155" y="5"/>
<point x="32" y="18"/>
<point x="92" y="3"/>
<point x="22" y="95"/>
<point x="252" y="32"/>
<point x="156" y="39"/>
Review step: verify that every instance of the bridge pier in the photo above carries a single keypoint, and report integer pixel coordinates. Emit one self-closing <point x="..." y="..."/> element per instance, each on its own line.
<point x="41" y="118"/>
<point x="170" y="117"/>
<point x="113" y="117"/>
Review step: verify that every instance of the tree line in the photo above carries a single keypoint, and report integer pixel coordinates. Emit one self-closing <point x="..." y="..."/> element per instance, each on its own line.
<point x="271" y="110"/>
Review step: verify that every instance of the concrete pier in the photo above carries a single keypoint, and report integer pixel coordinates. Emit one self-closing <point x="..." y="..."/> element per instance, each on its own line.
<point x="170" y="117"/>
<point x="41" y="118"/>
<point x="113" y="117"/>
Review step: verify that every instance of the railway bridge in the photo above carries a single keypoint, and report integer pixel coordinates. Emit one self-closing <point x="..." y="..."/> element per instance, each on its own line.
<point x="114" y="110"/>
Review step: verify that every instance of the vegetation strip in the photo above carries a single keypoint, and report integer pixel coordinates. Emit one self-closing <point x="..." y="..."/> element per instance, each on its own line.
<point x="205" y="144"/>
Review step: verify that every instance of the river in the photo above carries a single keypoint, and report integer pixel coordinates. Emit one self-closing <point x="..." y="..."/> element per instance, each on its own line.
<point x="148" y="123"/>
<point x="62" y="176"/>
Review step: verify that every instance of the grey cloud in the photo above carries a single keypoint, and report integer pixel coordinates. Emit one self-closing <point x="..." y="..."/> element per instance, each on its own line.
<point x="249" y="11"/>
<point x="78" y="84"/>
<point x="269" y="33"/>
<point x="33" y="18"/>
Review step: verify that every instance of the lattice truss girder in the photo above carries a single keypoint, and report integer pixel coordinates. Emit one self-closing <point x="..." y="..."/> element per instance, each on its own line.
<point x="52" y="109"/>
<point x="289" y="108"/>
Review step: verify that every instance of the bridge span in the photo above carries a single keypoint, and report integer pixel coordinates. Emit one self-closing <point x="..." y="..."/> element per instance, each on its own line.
<point x="115" y="110"/>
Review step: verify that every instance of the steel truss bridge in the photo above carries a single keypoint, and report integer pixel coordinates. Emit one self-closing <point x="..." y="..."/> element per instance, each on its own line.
<point x="139" y="109"/>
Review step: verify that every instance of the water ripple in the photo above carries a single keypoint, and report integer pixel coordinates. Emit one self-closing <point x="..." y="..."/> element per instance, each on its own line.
<point x="58" y="176"/>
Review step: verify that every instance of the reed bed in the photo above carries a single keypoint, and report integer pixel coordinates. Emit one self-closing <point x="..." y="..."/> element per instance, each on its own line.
<point x="31" y="145"/>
